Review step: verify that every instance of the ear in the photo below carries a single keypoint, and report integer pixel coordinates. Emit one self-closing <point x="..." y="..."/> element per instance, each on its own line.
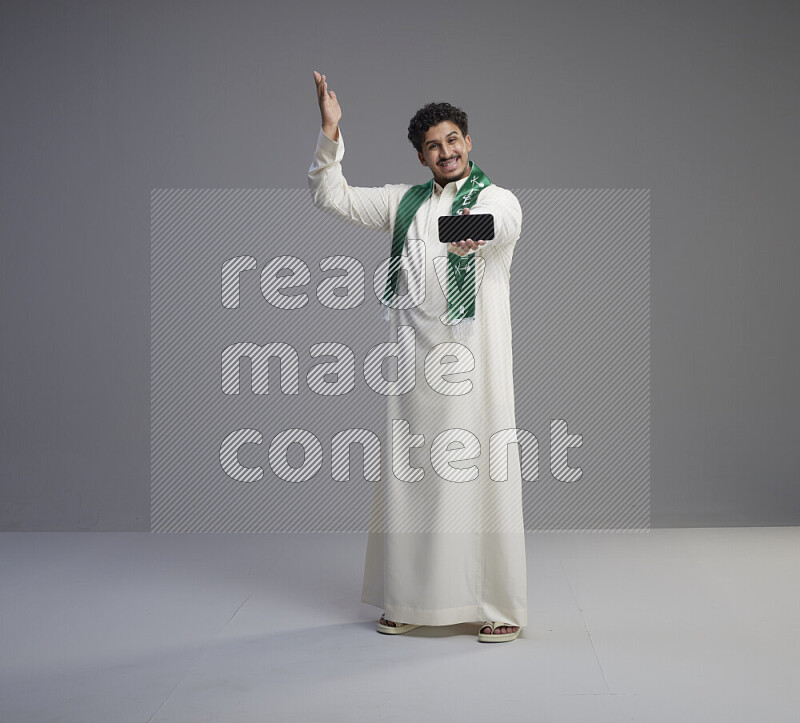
<point x="422" y="159"/>
<point x="469" y="142"/>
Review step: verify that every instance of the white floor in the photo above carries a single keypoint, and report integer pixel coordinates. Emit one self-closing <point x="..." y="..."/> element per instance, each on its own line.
<point x="670" y="625"/>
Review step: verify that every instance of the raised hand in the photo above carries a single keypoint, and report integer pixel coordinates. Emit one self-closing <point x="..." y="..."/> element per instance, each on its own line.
<point x="467" y="245"/>
<point x="328" y="107"/>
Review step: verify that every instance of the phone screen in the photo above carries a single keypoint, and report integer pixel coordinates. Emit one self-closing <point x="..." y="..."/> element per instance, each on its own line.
<point x="478" y="227"/>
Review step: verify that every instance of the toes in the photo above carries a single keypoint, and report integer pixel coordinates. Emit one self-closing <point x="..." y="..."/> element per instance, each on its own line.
<point x="486" y="629"/>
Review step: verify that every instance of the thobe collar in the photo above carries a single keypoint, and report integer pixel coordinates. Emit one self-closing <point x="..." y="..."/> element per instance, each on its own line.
<point x="437" y="189"/>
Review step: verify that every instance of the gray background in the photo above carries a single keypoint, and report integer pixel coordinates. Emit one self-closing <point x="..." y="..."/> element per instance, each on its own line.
<point x="103" y="102"/>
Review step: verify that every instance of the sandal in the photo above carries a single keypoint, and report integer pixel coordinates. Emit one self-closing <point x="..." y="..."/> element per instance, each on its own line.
<point x="500" y="637"/>
<point x="396" y="629"/>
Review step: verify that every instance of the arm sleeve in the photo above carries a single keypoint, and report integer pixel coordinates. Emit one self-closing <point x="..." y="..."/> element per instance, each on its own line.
<point x="331" y="192"/>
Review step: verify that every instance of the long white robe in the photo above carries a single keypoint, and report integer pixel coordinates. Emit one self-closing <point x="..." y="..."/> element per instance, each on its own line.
<point x="449" y="548"/>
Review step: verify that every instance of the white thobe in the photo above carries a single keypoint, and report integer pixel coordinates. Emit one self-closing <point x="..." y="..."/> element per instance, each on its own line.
<point x="446" y="542"/>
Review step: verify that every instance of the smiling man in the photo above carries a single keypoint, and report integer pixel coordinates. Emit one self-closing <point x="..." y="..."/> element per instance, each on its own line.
<point x="445" y="149"/>
<point x="446" y="542"/>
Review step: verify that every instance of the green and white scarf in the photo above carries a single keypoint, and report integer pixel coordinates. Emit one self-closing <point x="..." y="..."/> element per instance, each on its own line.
<point x="461" y="270"/>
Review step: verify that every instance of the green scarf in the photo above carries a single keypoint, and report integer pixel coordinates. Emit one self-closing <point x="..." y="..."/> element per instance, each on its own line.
<point x="461" y="270"/>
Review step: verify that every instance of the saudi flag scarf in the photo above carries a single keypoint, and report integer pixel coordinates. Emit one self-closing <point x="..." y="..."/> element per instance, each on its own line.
<point x="461" y="271"/>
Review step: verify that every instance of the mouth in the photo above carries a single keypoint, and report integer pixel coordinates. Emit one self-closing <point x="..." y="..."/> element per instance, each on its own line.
<point x="449" y="164"/>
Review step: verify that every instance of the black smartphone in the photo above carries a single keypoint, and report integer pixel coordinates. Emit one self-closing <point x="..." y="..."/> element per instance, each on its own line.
<point x="478" y="227"/>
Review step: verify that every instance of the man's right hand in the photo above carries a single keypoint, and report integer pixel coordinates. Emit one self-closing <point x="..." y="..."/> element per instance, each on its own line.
<point x="328" y="107"/>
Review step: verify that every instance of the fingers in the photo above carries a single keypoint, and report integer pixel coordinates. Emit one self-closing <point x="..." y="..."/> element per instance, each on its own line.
<point x="325" y="92"/>
<point x="322" y="84"/>
<point x="462" y="247"/>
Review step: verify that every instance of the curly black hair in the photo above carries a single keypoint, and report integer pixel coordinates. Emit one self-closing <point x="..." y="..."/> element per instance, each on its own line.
<point x="430" y="115"/>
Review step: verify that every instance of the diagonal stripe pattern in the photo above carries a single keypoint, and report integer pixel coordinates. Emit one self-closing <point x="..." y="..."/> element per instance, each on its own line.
<point x="265" y="418"/>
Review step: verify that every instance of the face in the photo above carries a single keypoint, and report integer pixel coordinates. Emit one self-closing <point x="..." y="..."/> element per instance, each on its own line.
<point x="446" y="152"/>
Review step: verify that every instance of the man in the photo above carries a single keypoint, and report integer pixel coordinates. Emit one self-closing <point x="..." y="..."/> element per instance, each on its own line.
<point x="446" y="542"/>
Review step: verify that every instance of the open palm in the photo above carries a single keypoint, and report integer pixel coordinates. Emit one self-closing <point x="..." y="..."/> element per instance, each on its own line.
<point x="329" y="107"/>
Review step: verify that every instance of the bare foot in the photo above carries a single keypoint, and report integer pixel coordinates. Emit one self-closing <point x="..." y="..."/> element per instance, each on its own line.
<point x="502" y="630"/>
